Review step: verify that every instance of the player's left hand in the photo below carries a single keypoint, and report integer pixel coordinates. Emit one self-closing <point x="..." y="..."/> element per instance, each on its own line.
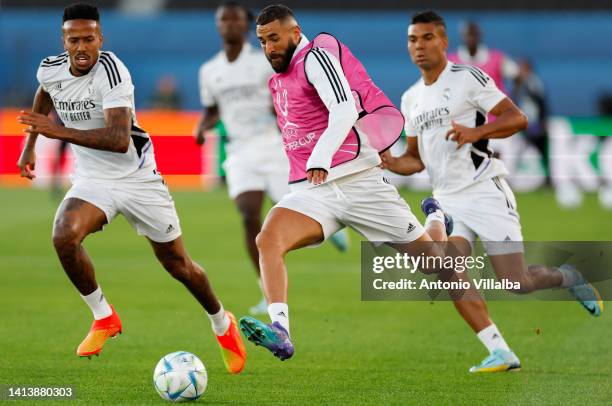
<point x="316" y="176"/>
<point x="463" y="135"/>
<point x="38" y="124"/>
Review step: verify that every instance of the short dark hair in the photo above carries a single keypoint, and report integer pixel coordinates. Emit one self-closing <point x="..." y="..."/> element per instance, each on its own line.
<point x="234" y="4"/>
<point x="274" y="12"/>
<point x="81" y="11"/>
<point x="428" y="17"/>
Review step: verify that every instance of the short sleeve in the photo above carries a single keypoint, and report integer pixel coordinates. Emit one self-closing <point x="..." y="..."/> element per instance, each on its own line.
<point x="206" y="96"/>
<point x="40" y="78"/>
<point x="405" y="109"/>
<point x="48" y="68"/>
<point x="114" y="82"/>
<point x="482" y="91"/>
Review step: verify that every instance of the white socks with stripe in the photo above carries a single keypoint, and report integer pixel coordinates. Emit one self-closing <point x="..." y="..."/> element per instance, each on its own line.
<point x="220" y="321"/>
<point x="492" y="338"/>
<point x="98" y="304"/>
<point x="279" y="312"/>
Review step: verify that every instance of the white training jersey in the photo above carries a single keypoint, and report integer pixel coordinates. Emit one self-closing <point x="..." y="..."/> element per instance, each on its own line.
<point x="80" y="102"/>
<point x="465" y="95"/>
<point x="240" y="90"/>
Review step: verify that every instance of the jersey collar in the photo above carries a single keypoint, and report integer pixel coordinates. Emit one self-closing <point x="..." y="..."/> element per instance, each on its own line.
<point x="303" y="42"/>
<point x="440" y="76"/>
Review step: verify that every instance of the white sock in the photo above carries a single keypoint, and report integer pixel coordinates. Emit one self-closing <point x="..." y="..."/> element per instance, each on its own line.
<point x="279" y="312"/>
<point x="220" y="321"/>
<point x="437" y="215"/>
<point x="98" y="304"/>
<point x="571" y="277"/>
<point x="492" y="338"/>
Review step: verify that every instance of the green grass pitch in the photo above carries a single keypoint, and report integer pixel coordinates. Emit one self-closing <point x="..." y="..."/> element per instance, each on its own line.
<point x="347" y="351"/>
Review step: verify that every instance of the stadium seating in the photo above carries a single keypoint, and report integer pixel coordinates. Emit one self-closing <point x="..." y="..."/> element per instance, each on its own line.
<point x="567" y="49"/>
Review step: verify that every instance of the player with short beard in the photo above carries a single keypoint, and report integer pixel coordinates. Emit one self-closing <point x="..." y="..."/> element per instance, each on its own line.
<point x="334" y="121"/>
<point x="234" y="89"/>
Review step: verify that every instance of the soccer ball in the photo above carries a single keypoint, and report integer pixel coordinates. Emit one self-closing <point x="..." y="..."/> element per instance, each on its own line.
<point x="180" y="376"/>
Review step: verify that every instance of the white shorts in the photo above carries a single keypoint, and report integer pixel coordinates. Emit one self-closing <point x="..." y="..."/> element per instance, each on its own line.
<point x="146" y="205"/>
<point x="486" y="210"/>
<point x="364" y="201"/>
<point x="258" y="170"/>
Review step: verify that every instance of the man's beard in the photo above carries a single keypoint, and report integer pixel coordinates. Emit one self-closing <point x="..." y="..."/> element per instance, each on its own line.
<point x="286" y="59"/>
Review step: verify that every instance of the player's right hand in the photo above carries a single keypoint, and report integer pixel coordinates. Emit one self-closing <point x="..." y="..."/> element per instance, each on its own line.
<point x="316" y="176"/>
<point x="27" y="163"/>
<point x="404" y="165"/>
<point x="200" y="136"/>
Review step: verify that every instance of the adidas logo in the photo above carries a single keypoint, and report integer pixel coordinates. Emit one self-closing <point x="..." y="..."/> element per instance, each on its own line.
<point x="411" y="228"/>
<point x="281" y="314"/>
<point x="170" y="228"/>
<point x="495" y="336"/>
<point x="507" y="239"/>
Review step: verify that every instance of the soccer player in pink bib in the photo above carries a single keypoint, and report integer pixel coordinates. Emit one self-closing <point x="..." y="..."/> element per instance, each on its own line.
<point x="234" y="89"/>
<point x="334" y="123"/>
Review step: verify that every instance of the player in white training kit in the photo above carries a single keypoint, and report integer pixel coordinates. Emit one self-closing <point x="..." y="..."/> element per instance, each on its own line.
<point x="234" y="89"/>
<point x="448" y="136"/>
<point x="92" y="92"/>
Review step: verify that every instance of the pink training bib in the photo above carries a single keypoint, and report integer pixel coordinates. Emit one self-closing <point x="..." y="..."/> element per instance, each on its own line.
<point x="302" y="116"/>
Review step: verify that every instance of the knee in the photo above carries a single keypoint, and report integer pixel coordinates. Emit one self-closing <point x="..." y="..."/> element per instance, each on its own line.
<point x="429" y="270"/>
<point x="433" y="261"/>
<point x="66" y="235"/>
<point x="269" y="243"/>
<point x="179" y="267"/>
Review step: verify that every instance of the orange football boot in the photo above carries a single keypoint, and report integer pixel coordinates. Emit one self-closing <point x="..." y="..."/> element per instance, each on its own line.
<point x="232" y="347"/>
<point x="100" y="331"/>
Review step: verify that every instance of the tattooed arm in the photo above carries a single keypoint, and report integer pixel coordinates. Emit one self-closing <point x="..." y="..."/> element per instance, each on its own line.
<point x="114" y="137"/>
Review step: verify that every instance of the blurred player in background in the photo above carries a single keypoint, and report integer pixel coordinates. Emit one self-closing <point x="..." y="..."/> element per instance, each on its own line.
<point x="334" y="122"/>
<point x="92" y="92"/>
<point x="448" y="136"/>
<point x="492" y="61"/>
<point x="234" y="89"/>
<point x="530" y="96"/>
<point x="166" y="95"/>
<point x="57" y="169"/>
